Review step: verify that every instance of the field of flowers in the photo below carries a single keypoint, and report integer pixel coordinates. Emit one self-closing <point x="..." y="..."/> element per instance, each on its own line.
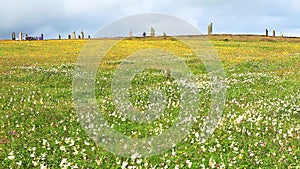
<point x="39" y="127"/>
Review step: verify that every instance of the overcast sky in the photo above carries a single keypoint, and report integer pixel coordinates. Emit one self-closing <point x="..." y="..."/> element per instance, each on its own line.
<point x="53" y="17"/>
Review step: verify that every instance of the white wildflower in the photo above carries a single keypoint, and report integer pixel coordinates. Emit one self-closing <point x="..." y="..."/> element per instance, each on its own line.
<point x="124" y="164"/>
<point x="11" y="155"/>
<point x="189" y="163"/>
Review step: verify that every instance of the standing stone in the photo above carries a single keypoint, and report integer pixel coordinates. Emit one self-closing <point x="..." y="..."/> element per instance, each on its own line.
<point x="89" y="37"/>
<point x="130" y="34"/>
<point x="73" y="35"/>
<point x="281" y="34"/>
<point x="20" y="36"/>
<point x="210" y="29"/>
<point x="165" y="35"/>
<point x="82" y="35"/>
<point x="79" y="37"/>
<point x="69" y="36"/>
<point x="267" y="32"/>
<point x="13" y="36"/>
<point x="42" y="37"/>
<point x="274" y="33"/>
<point x="152" y="32"/>
<point x="59" y="37"/>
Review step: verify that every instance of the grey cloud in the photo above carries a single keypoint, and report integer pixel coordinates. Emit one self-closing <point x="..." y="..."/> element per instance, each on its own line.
<point x="53" y="17"/>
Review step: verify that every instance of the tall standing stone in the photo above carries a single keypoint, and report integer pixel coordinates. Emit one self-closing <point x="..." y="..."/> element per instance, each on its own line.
<point x="89" y="37"/>
<point x="130" y="34"/>
<point x="42" y="37"/>
<point x="20" y="36"/>
<point x="82" y="35"/>
<point x="73" y="35"/>
<point x="210" y="29"/>
<point x="59" y="37"/>
<point x="267" y="32"/>
<point x="274" y="33"/>
<point x="13" y="36"/>
<point x="152" y="32"/>
<point x="69" y="36"/>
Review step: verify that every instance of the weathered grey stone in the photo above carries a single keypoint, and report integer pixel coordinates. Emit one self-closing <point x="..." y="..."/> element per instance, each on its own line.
<point x="13" y="36"/>
<point x="73" y="35"/>
<point x="82" y="35"/>
<point x="59" y="37"/>
<point x="152" y="32"/>
<point x="20" y="36"/>
<point x="69" y="36"/>
<point x="210" y="29"/>
<point x="165" y="35"/>
<point x="267" y="32"/>
<point x="274" y="33"/>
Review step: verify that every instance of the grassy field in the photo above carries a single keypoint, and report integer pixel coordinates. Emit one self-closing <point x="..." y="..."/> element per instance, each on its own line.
<point x="261" y="121"/>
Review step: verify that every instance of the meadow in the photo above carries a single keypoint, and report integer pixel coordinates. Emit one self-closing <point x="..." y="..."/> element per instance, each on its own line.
<point x="39" y="127"/>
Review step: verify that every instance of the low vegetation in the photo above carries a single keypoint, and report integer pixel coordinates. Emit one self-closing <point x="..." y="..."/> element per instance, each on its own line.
<point x="39" y="126"/>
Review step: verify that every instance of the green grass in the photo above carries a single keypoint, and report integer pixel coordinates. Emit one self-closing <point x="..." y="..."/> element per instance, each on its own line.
<point x="260" y="126"/>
